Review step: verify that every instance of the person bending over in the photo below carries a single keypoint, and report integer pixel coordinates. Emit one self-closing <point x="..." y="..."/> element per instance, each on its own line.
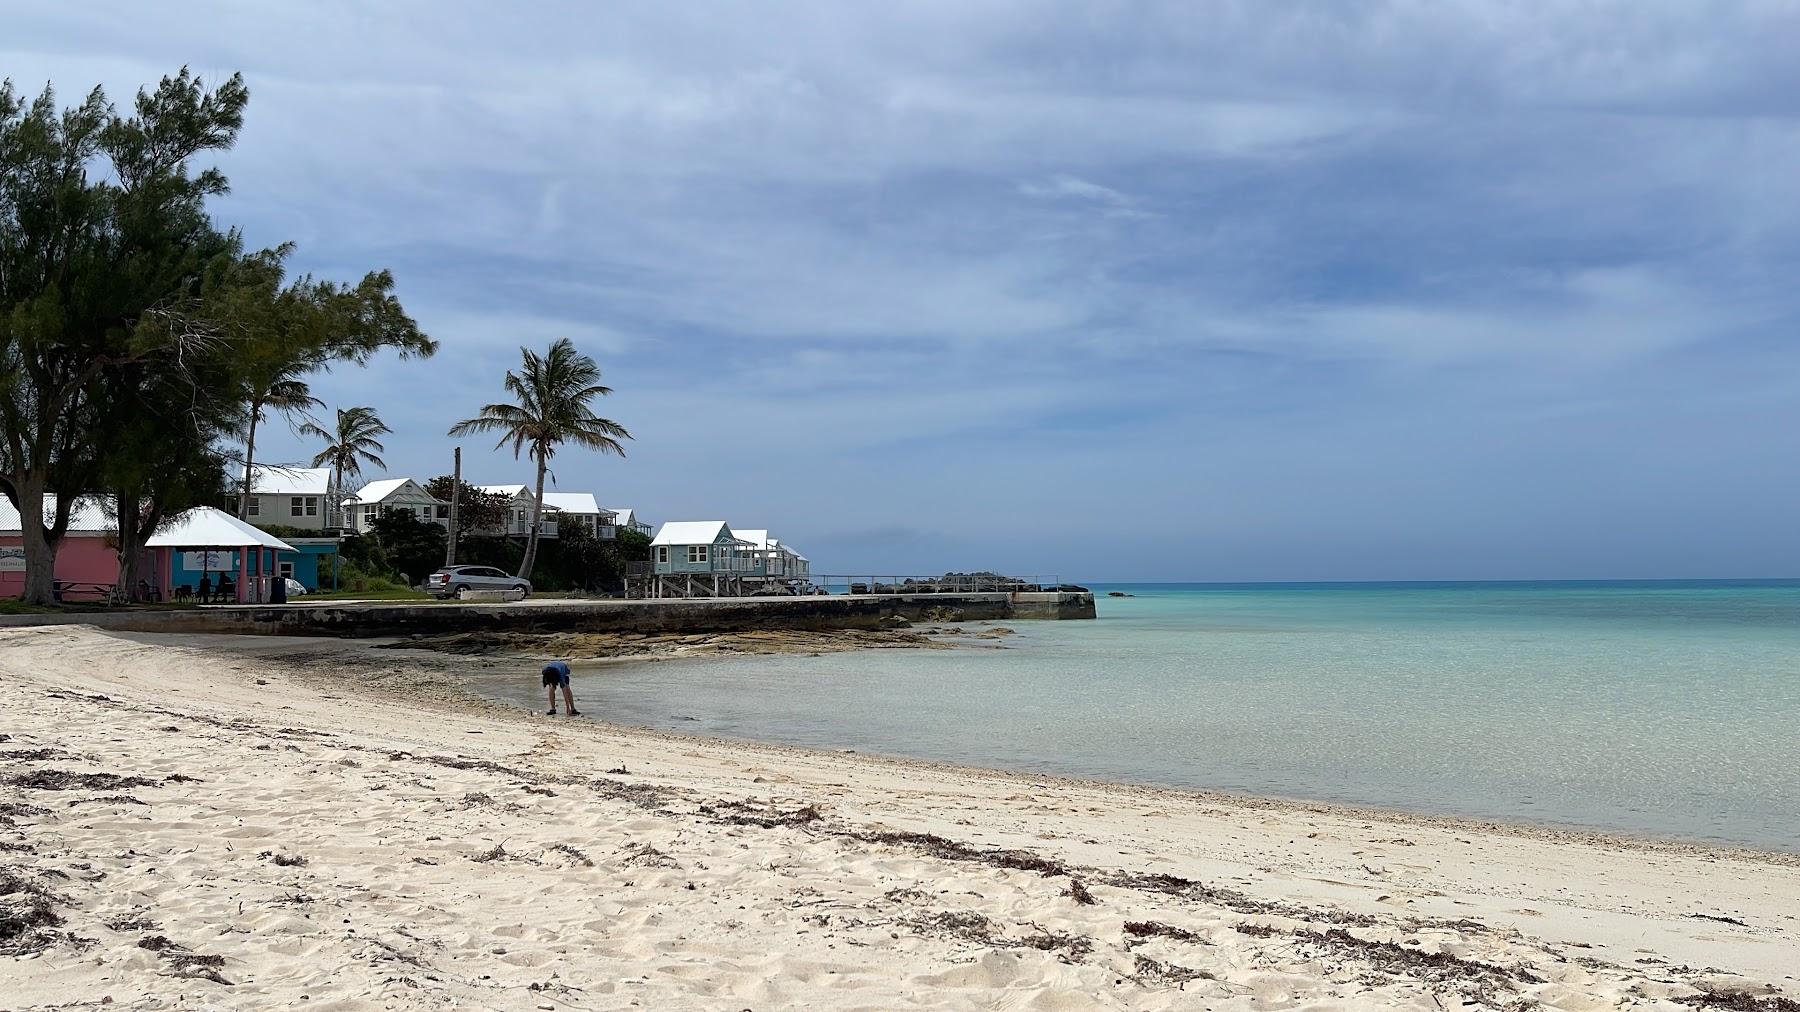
<point x="556" y="673"/>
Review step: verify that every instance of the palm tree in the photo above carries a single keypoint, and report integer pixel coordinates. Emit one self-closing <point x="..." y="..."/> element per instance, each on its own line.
<point x="273" y="385"/>
<point x="354" y="442"/>
<point x="552" y="392"/>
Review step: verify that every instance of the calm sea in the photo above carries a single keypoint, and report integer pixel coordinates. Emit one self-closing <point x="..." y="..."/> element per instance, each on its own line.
<point x="1664" y="708"/>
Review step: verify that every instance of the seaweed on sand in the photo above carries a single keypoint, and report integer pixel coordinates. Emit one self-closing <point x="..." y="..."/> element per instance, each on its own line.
<point x="1157" y="929"/>
<point x="67" y="780"/>
<point x="971" y="926"/>
<point x="950" y="850"/>
<point x="1159" y="974"/>
<point x="28" y="916"/>
<point x="644" y="855"/>
<point x="749" y="813"/>
<point x="184" y="961"/>
<point x="1738" y="1001"/>
<point x="1437" y="967"/>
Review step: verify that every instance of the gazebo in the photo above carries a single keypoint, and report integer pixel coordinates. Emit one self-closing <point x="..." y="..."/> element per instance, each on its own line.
<point x="202" y="535"/>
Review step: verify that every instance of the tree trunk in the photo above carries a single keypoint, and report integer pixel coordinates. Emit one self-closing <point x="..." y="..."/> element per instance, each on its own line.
<point x="249" y="455"/>
<point x="40" y="549"/>
<point x="537" y="517"/>
<point x="127" y="510"/>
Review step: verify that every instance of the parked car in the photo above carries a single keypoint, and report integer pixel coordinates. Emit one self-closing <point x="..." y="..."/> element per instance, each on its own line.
<point x="295" y="588"/>
<point x="453" y="580"/>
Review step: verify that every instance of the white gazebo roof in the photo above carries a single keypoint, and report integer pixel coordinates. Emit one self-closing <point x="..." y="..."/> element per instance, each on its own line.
<point x="205" y="527"/>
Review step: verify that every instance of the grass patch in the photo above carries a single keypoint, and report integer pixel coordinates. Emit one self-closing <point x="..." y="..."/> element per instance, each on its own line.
<point x="394" y="594"/>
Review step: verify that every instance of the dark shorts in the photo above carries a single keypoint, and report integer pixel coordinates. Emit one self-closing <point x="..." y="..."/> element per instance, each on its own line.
<point x="553" y="678"/>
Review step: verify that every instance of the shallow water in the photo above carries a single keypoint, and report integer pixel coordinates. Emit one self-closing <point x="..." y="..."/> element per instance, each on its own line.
<point x="1660" y="708"/>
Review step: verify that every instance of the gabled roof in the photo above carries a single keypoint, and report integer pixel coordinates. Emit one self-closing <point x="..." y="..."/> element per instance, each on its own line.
<point x="377" y="491"/>
<point x="691" y="532"/>
<point x="574" y="502"/>
<point x="758" y="539"/>
<point x="281" y="479"/>
<point x="624" y="516"/>
<point x="90" y="515"/>
<point x="205" y="527"/>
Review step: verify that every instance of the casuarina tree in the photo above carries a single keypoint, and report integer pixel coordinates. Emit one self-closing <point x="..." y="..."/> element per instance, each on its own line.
<point x="552" y="405"/>
<point x="102" y="223"/>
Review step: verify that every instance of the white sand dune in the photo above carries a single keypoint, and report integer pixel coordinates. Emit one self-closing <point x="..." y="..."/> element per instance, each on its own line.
<point x="358" y="834"/>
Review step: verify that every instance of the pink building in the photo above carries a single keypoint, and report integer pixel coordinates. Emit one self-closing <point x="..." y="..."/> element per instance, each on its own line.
<point x="87" y="557"/>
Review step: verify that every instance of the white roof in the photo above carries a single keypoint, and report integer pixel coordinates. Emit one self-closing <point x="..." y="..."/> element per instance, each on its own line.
<point x="205" y="527"/>
<point x="90" y="516"/>
<point x="691" y="532"/>
<point x="377" y="491"/>
<point x="573" y="502"/>
<point x="758" y="539"/>
<point x="281" y="479"/>
<point x="509" y="490"/>
<point x="624" y="516"/>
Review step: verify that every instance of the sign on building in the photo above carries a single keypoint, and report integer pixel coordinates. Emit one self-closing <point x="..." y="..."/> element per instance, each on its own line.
<point x="215" y="561"/>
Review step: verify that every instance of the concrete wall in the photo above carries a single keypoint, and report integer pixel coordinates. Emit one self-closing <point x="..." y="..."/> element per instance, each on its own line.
<point x="400" y="619"/>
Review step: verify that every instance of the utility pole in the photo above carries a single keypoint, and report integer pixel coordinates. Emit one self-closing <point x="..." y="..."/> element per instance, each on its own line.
<point x="455" y="496"/>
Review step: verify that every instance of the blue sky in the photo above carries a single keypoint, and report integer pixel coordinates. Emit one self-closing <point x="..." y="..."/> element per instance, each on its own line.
<point x="1208" y="291"/>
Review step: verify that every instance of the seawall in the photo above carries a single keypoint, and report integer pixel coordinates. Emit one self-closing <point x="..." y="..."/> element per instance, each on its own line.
<point x="388" y="618"/>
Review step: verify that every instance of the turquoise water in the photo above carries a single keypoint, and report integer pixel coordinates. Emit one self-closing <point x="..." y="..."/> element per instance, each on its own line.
<point x="1657" y="708"/>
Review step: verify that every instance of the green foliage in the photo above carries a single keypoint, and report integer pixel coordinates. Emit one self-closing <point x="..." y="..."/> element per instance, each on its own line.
<point x="476" y="510"/>
<point x="365" y="553"/>
<point x="372" y="581"/>
<point x="553" y="394"/>
<point x="285" y="531"/>
<point x="413" y="547"/>
<point x="134" y="333"/>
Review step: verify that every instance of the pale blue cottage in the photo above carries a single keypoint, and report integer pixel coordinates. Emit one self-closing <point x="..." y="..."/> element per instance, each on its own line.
<point x="698" y="546"/>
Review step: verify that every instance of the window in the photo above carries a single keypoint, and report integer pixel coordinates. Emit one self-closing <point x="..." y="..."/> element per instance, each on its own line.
<point x="369" y="512"/>
<point x="286" y="569"/>
<point x="312" y="505"/>
<point x="697" y="554"/>
<point x="443" y="512"/>
<point x="255" y="509"/>
<point x="297" y="506"/>
<point x="662" y="553"/>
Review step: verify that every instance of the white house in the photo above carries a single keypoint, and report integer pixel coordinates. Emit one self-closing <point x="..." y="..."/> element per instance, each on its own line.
<point x="627" y="519"/>
<point x="291" y="496"/>
<point x="580" y="509"/>
<point x="518" y="517"/>
<point x="769" y="557"/>
<point x="698" y="546"/>
<point x="393" y="495"/>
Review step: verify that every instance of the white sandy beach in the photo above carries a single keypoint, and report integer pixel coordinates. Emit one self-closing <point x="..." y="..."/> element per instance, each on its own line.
<point x="330" y="826"/>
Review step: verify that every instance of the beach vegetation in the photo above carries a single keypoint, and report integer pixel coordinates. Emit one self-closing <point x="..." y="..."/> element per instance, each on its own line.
<point x="138" y="338"/>
<point x="476" y="510"/>
<point x="552" y="404"/>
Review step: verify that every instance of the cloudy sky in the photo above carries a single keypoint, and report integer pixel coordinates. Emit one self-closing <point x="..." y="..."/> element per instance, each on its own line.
<point x="1190" y="291"/>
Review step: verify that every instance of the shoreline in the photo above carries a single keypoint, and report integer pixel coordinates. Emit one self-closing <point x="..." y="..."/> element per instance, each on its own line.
<point x="942" y="639"/>
<point x="498" y="858"/>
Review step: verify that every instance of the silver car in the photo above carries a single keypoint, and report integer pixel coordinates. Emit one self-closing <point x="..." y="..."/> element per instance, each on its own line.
<point x="451" y="581"/>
